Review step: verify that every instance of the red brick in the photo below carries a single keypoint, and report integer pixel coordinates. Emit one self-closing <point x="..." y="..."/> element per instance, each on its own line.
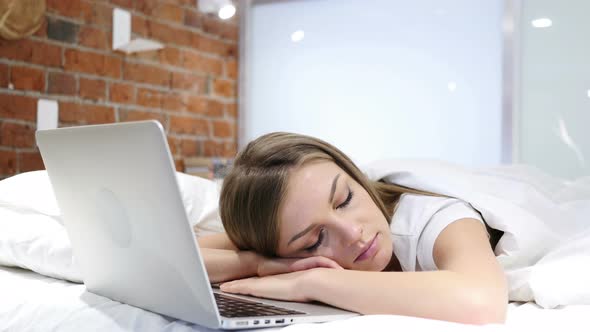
<point x="61" y="84"/>
<point x="173" y="144"/>
<point x="196" y="104"/>
<point x="92" y="63"/>
<point x="193" y="18"/>
<point x="189" y="148"/>
<point x="215" y="46"/>
<point x="187" y="125"/>
<point x="153" y="56"/>
<point x="31" y="51"/>
<point x="7" y="162"/>
<point x="96" y="114"/>
<point x="222" y="129"/>
<point x="169" y="12"/>
<point x="231" y="68"/>
<point x="168" y="34"/>
<point x="191" y="82"/>
<point x="27" y="78"/>
<point x="42" y="31"/>
<point x="179" y="164"/>
<point x="85" y="114"/>
<point x="231" y="149"/>
<point x="76" y="9"/>
<point x="123" y="3"/>
<point x="197" y="62"/>
<point x="18" y="107"/>
<point x="219" y="149"/>
<point x="146" y="6"/>
<point x="133" y="115"/>
<point x="30" y="161"/>
<point x="171" y="56"/>
<point x="231" y="110"/>
<point x="149" y="98"/>
<point x="184" y="3"/>
<point x="101" y="14"/>
<point x="21" y="49"/>
<point x="214" y="108"/>
<point x="17" y="135"/>
<point x="146" y="74"/>
<point x="174" y="102"/>
<point x="232" y="50"/>
<point x="202" y="105"/>
<point x="94" y="38"/>
<point x="46" y="54"/>
<point x="224" y="88"/>
<point x="92" y="89"/>
<point x="215" y="26"/>
<point x="231" y="32"/>
<point x="121" y="93"/>
<point x="139" y="26"/>
<point x="3" y="75"/>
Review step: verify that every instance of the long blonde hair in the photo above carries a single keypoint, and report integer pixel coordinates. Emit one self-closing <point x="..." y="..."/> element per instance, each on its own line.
<point x="256" y="185"/>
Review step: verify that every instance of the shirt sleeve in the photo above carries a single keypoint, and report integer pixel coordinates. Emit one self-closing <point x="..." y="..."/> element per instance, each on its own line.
<point x="451" y="211"/>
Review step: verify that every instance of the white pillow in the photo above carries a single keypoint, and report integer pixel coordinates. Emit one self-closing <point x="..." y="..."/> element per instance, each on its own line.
<point x="32" y="235"/>
<point x="562" y="277"/>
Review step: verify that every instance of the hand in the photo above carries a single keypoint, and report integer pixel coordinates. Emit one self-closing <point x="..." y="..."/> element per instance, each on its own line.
<point x="286" y="286"/>
<point x="272" y="266"/>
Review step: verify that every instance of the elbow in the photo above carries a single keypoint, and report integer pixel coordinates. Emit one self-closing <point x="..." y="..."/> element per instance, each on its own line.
<point x="481" y="308"/>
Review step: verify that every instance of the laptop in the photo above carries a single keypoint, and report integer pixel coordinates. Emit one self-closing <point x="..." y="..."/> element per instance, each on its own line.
<point x="121" y="205"/>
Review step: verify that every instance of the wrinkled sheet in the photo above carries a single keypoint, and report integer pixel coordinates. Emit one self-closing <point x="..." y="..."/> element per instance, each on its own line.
<point x="33" y="302"/>
<point x="545" y="249"/>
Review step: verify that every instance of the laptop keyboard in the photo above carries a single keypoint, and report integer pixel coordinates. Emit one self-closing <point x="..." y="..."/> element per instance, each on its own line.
<point x="234" y="307"/>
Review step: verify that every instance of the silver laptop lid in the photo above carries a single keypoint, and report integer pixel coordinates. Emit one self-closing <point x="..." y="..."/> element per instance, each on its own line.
<point x="117" y="190"/>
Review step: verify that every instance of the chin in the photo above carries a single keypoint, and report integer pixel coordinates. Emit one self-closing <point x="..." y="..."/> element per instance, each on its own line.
<point x="382" y="261"/>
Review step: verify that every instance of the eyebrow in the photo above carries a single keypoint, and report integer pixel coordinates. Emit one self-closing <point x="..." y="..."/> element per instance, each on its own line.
<point x="310" y="227"/>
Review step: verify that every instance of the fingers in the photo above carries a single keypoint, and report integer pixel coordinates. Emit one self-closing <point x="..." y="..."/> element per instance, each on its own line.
<point x="284" y="265"/>
<point x="313" y="262"/>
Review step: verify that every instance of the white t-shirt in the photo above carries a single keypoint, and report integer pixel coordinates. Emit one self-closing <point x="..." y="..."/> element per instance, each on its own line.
<point x="417" y="222"/>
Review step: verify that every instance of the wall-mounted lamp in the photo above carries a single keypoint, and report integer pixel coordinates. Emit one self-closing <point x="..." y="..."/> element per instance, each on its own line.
<point x="122" y="35"/>
<point x="224" y="8"/>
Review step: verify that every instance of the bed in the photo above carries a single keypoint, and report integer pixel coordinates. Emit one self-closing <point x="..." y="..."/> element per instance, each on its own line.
<point x="41" y="289"/>
<point x="33" y="302"/>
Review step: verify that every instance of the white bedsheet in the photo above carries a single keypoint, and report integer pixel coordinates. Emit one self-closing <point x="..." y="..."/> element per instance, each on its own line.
<point x="545" y="249"/>
<point x="33" y="302"/>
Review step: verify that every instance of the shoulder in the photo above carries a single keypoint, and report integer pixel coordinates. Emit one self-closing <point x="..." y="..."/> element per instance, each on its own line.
<point x="417" y="223"/>
<point x="413" y="212"/>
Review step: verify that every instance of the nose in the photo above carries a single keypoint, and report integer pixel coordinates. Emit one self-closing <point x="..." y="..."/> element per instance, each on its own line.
<point x="351" y="233"/>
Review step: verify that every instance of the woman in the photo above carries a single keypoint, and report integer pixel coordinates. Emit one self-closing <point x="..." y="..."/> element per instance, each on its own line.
<point x="304" y="224"/>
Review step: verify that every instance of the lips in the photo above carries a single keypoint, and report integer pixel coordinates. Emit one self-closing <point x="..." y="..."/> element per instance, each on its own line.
<point x="369" y="250"/>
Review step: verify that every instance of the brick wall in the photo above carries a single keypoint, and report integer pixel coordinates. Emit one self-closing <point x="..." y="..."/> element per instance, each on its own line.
<point x="189" y="86"/>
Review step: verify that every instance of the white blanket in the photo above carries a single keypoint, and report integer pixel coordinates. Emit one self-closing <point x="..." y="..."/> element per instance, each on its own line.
<point x="545" y="249"/>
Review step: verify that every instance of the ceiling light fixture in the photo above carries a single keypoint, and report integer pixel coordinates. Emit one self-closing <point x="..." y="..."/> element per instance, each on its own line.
<point x="297" y="36"/>
<point x="541" y="22"/>
<point x="225" y="9"/>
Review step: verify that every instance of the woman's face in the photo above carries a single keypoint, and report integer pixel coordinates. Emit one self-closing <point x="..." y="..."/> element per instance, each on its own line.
<point x="327" y="213"/>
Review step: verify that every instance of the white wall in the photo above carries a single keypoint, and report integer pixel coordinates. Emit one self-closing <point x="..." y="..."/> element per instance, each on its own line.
<point x="376" y="77"/>
<point x="554" y="108"/>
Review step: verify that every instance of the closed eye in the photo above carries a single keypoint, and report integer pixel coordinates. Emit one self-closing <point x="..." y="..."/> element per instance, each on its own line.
<point x="347" y="200"/>
<point x="318" y="243"/>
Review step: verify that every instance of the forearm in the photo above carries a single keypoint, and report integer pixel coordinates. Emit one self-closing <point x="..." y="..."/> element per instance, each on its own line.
<point x="223" y="265"/>
<point x="443" y="295"/>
